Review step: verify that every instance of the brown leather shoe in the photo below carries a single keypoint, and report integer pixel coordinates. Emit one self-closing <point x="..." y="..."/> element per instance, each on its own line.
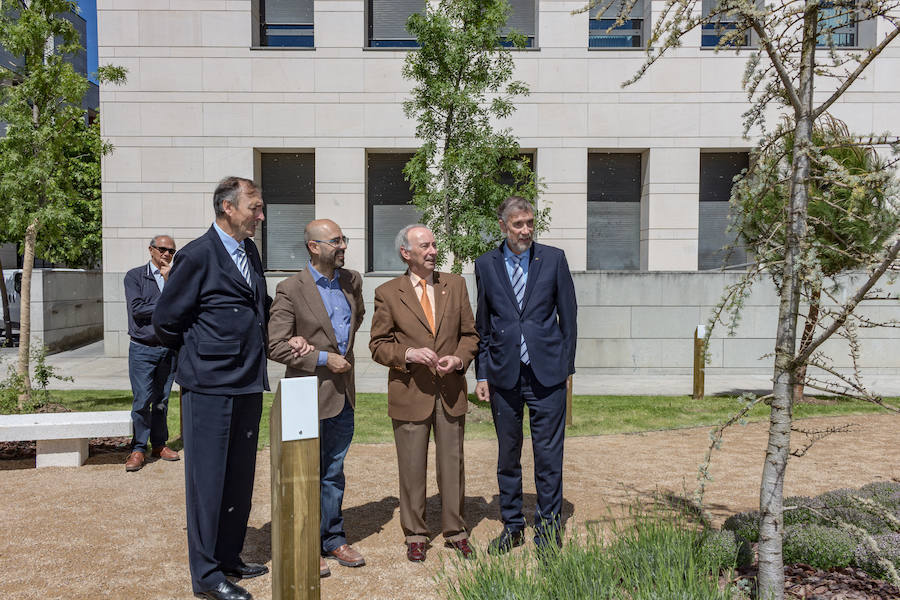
<point x="135" y="461"/>
<point x="463" y="547"/>
<point x="165" y="453"/>
<point x="347" y="556"/>
<point x="324" y="571"/>
<point x="415" y="551"/>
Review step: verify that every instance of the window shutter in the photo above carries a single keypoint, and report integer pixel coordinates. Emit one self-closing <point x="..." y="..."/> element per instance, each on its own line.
<point x="288" y="12"/>
<point x="388" y="18"/>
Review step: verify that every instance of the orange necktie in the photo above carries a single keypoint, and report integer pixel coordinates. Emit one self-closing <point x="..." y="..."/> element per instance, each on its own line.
<point x="426" y="305"/>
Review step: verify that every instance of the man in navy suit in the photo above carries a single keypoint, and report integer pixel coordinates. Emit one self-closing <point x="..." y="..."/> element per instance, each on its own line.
<point x="215" y="309"/>
<point x="151" y="366"/>
<point x="526" y="324"/>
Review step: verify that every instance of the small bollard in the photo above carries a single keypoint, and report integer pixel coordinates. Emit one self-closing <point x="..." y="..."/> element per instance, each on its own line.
<point x="699" y="363"/>
<point x="294" y="435"/>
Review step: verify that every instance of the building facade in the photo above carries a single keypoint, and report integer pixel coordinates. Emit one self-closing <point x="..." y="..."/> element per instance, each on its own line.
<point x="306" y="97"/>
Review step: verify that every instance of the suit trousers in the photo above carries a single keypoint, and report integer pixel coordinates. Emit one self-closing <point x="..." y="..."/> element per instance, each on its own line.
<point x="547" y="417"/>
<point x="151" y="370"/>
<point x="220" y="436"/>
<point x="411" y="440"/>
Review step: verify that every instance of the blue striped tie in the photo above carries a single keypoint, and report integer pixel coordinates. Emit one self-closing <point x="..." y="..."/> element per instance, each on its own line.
<point x="518" y="285"/>
<point x="242" y="263"/>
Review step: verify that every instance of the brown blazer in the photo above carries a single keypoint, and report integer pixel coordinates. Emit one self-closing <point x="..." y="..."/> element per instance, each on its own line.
<point x="399" y="323"/>
<point x="298" y="310"/>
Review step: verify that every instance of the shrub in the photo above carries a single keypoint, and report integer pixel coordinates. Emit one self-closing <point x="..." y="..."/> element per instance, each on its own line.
<point x="719" y="548"/>
<point x="745" y="526"/>
<point x="886" y="493"/>
<point x="801" y="512"/>
<point x="818" y="546"/>
<point x="889" y="548"/>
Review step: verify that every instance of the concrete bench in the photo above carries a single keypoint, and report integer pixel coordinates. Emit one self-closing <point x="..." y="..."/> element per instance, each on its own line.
<point x="62" y="438"/>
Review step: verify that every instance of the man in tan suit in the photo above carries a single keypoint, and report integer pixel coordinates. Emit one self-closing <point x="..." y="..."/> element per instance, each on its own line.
<point x="424" y="330"/>
<point x="312" y="324"/>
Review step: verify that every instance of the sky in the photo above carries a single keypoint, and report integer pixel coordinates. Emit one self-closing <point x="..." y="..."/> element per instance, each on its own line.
<point x="88" y="10"/>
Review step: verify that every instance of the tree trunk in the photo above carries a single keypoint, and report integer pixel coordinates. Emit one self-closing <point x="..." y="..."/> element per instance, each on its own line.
<point x="23" y="367"/>
<point x="812" y="318"/>
<point x="771" y="493"/>
<point x="7" y="320"/>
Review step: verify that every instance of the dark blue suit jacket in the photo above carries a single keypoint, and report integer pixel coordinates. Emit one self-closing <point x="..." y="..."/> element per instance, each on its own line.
<point x="218" y="322"/>
<point x="141" y="293"/>
<point x="547" y="318"/>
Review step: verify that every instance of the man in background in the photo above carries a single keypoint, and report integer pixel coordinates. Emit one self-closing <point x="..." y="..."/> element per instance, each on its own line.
<point x="312" y="326"/>
<point x="214" y="308"/>
<point x="151" y="366"/>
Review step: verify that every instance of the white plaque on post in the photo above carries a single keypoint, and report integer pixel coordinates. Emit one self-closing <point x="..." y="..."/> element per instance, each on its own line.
<point x="299" y="408"/>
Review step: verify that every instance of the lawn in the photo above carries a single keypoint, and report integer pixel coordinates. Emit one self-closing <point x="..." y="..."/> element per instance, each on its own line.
<point x="592" y="415"/>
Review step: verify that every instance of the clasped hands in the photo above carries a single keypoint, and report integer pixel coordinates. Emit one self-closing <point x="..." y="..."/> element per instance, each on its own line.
<point x="429" y="358"/>
<point x="335" y="362"/>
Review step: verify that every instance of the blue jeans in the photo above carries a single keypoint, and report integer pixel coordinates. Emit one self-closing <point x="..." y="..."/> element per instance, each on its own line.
<point x="151" y="370"/>
<point x="334" y="441"/>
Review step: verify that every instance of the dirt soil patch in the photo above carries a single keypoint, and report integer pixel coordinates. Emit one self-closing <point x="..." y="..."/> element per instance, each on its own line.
<point x="99" y="532"/>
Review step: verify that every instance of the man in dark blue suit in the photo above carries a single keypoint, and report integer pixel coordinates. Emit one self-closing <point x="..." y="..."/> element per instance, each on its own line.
<point x="214" y="309"/>
<point x="526" y="324"/>
<point x="151" y="366"/>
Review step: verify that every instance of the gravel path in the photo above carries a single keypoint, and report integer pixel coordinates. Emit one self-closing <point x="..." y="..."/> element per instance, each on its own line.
<point x="99" y="532"/>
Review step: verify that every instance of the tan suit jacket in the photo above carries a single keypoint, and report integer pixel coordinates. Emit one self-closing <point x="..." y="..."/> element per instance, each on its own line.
<point x="298" y="310"/>
<point x="399" y="323"/>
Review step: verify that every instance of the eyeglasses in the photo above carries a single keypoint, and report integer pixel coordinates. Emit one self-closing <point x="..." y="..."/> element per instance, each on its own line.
<point x="335" y="241"/>
<point x="163" y="249"/>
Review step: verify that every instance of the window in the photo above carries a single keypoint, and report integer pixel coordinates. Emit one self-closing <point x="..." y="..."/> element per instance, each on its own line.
<point x="288" y="182"/>
<point x="388" y="198"/>
<point x="627" y="35"/>
<point x="712" y="33"/>
<point x="717" y="172"/>
<point x="614" y="211"/>
<point x="839" y="23"/>
<point x="286" y="23"/>
<point x="387" y="23"/>
<point x="522" y="18"/>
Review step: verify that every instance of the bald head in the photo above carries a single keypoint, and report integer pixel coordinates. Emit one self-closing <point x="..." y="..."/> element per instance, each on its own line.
<point x="326" y="245"/>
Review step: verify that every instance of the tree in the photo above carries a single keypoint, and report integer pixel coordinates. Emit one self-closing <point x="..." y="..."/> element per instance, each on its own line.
<point x="795" y="45"/>
<point x="462" y="83"/>
<point x="853" y="212"/>
<point x="41" y="188"/>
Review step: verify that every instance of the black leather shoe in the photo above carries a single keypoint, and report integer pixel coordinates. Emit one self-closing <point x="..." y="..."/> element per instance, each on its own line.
<point x="246" y="570"/>
<point x="508" y="540"/>
<point x="226" y="591"/>
<point x="548" y="541"/>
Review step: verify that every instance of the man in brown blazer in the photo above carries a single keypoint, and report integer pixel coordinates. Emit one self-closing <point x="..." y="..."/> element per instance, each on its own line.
<point x="312" y="325"/>
<point x="424" y="330"/>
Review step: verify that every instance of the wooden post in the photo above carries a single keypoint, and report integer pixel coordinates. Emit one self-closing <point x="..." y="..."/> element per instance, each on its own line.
<point x="295" y="495"/>
<point x="569" y="401"/>
<point x="699" y="363"/>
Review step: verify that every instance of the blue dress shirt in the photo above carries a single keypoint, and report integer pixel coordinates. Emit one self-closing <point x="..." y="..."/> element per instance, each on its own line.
<point x="154" y="270"/>
<point x="231" y="246"/>
<point x="510" y="265"/>
<point x="337" y="307"/>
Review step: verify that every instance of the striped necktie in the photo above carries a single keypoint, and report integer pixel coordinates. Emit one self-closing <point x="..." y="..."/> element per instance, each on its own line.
<point x="242" y="264"/>
<point x="518" y="285"/>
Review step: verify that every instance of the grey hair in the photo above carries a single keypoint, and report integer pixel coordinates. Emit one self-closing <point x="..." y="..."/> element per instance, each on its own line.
<point x="402" y="239"/>
<point x="156" y="237"/>
<point x="229" y="190"/>
<point x="513" y="204"/>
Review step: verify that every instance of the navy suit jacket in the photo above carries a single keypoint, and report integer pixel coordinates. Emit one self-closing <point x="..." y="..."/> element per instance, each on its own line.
<point x="217" y="321"/>
<point x="141" y="293"/>
<point x="546" y="319"/>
